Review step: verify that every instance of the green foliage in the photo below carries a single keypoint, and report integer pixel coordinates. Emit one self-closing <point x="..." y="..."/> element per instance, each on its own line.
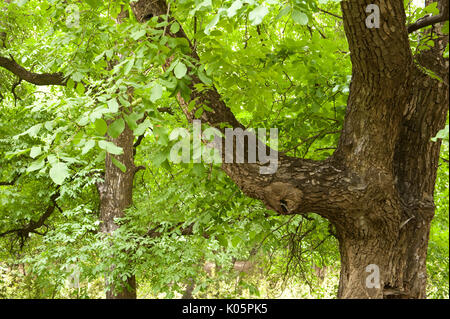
<point x="276" y="64"/>
<point x="438" y="261"/>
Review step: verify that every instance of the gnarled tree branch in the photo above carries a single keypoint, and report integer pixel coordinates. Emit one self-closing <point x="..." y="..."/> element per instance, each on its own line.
<point x="298" y="186"/>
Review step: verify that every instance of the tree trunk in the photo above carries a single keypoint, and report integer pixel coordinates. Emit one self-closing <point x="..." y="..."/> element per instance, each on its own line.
<point x="116" y="193"/>
<point x="377" y="188"/>
<point x="384" y="264"/>
<point x="115" y="196"/>
<point x="394" y="110"/>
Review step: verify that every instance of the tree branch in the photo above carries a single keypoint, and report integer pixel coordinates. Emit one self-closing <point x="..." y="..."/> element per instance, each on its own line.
<point x="33" y="225"/>
<point x="330" y="13"/>
<point x="308" y="139"/>
<point x="430" y="20"/>
<point x="298" y="185"/>
<point x="185" y="231"/>
<point x="425" y="22"/>
<point x="31" y="77"/>
<point x="165" y="110"/>
<point x="14" y="180"/>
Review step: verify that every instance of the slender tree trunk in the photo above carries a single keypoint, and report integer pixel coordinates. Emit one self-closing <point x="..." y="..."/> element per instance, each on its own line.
<point x="189" y="289"/>
<point x="115" y="196"/>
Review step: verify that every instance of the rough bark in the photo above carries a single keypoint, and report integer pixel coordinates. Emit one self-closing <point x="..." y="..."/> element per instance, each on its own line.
<point x="377" y="189"/>
<point x="35" y="78"/>
<point x="115" y="196"/>
<point x="393" y="111"/>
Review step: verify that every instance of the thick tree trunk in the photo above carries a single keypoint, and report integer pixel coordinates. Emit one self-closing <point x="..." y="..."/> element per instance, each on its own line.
<point x="394" y="110"/>
<point x="115" y="196"/>
<point x="383" y="264"/>
<point x="377" y="189"/>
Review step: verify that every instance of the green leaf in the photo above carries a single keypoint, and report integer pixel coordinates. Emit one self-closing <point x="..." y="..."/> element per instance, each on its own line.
<point x="77" y="76"/>
<point x="283" y="12"/>
<point x="100" y="126"/>
<point x="35" y="151"/>
<point x="138" y="34"/>
<point x="172" y="84"/>
<point x="109" y="53"/>
<point x="235" y="241"/>
<point x="198" y="169"/>
<point x="223" y="240"/>
<point x="119" y="164"/>
<point x="132" y="118"/>
<point x="113" y="105"/>
<point x="88" y="146"/>
<point x="161" y="135"/>
<point x="180" y="70"/>
<point x="159" y="158"/>
<point x="203" y="77"/>
<point x="198" y="113"/>
<point x="445" y="54"/>
<point x="116" y="128"/>
<point x="59" y="172"/>
<point x="442" y="134"/>
<point x="156" y="92"/>
<point x="232" y="10"/>
<point x="34" y="130"/>
<point x="431" y="8"/>
<point x="142" y="127"/>
<point x="110" y="147"/>
<point x="20" y="3"/>
<point x="315" y="107"/>
<point x="212" y="24"/>
<point x="257" y="15"/>
<point x="299" y="17"/>
<point x="94" y="3"/>
<point x="49" y="125"/>
<point x="70" y="84"/>
<point x="129" y="65"/>
<point x="204" y="4"/>
<point x="38" y="164"/>
<point x="83" y="121"/>
<point x="80" y="88"/>
<point x="52" y="159"/>
<point x="174" y="28"/>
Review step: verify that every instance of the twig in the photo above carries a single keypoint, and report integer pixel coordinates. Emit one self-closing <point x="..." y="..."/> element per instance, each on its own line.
<point x="430" y="20"/>
<point x="330" y="13"/>
<point x="308" y="139"/>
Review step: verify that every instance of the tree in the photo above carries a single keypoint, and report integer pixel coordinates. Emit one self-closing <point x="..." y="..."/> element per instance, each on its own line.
<point x="370" y="189"/>
<point x="376" y="189"/>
